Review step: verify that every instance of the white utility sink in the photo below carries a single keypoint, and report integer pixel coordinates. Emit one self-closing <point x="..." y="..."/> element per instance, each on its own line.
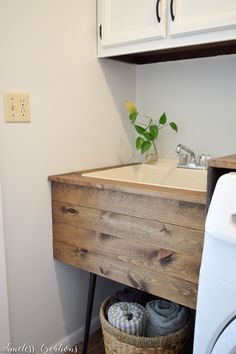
<point x="165" y="174"/>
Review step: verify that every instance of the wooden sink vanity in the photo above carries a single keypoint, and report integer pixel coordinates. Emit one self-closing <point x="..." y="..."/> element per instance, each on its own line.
<point x="148" y="237"/>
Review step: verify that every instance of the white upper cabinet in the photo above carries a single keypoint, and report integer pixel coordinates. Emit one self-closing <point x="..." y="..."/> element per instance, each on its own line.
<point x="130" y="21"/>
<point x="139" y="26"/>
<point x="196" y="16"/>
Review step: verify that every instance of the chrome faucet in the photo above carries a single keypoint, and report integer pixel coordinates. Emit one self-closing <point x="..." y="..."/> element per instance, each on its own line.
<point x="181" y="147"/>
<point x="189" y="160"/>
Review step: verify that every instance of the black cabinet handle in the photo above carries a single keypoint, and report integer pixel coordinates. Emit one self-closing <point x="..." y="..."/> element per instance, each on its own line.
<point x="157" y="11"/>
<point x="100" y="31"/>
<point x="172" y="10"/>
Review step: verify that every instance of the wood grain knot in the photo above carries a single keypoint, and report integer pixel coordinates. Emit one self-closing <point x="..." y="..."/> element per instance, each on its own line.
<point x="70" y="210"/>
<point x="166" y="260"/>
<point x="164" y="230"/>
<point x="152" y="255"/>
<point x="104" y="237"/>
<point x="79" y="252"/>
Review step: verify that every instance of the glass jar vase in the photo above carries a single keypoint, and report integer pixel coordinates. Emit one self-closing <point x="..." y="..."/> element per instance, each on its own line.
<point x="151" y="156"/>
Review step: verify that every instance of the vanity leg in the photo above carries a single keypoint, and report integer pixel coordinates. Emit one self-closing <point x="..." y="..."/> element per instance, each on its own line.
<point x="92" y="284"/>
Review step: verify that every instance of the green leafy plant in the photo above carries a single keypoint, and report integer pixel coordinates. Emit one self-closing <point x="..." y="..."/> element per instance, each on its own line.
<point x="149" y="132"/>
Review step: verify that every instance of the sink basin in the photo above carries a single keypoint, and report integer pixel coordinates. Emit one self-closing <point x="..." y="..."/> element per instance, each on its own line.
<point x="165" y="174"/>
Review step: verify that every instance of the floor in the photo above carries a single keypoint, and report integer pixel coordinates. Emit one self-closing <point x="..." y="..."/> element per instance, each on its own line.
<point x="96" y="345"/>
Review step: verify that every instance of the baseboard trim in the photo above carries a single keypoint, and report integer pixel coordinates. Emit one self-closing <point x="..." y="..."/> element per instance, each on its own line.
<point x="76" y="337"/>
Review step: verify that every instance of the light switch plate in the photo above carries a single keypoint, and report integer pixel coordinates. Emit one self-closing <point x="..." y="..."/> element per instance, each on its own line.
<point x="16" y="107"/>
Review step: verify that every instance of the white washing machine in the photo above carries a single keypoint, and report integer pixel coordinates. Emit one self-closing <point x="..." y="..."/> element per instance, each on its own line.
<point x="215" y="329"/>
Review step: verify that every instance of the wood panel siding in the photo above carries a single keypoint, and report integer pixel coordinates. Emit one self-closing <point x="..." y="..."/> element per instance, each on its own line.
<point x="176" y="212"/>
<point x="172" y="237"/>
<point x="157" y="283"/>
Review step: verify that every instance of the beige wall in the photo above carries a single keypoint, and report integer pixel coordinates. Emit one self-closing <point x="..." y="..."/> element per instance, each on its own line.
<point x="48" y="49"/>
<point x="199" y="94"/>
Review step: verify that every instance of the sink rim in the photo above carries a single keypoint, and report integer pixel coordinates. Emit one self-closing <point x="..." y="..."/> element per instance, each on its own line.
<point x="167" y="165"/>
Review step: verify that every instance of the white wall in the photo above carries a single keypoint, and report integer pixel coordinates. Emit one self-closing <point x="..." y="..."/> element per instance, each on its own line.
<point x="48" y="49"/>
<point x="4" y="323"/>
<point x="199" y="95"/>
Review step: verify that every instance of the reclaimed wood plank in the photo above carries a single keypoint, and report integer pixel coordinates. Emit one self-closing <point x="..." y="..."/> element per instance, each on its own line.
<point x="168" y="287"/>
<point x="149" y="257"/>
<point x="228" y="162"/>
<point x="171" y="237"/>
<point x="175" y="212"/>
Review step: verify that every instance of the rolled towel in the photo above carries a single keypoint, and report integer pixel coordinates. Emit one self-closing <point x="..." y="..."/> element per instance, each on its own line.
<point x="128" y="317"/>
<point x="129" y="294"/>
<point x="165" y="317"/>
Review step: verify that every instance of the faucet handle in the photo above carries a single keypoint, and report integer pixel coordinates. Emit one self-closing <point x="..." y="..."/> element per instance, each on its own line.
<point x="178" y="148"/>
<point x="203" y="160"/>
<point x="183" y="159"/>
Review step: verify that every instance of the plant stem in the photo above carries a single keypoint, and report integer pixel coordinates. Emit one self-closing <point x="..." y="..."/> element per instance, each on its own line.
<point x="145" y="116"/>
<point x="150" y="121"/>
<point x="154" y="146"/>
<point x="162" y="126"/>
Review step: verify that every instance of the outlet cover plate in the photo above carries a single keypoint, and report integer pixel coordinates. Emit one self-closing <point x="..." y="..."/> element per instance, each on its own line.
<point x="16" y="107"/>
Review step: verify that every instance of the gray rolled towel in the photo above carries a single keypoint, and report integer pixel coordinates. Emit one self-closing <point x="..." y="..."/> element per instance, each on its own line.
<point x="128" y="317"/>
<point x="165" y="317"/>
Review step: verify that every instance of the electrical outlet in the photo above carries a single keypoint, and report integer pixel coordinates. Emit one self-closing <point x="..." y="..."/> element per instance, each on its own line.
<point x="16" y="107"/>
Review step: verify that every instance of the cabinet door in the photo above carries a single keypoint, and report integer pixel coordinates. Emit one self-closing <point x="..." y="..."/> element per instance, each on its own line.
<point x="130" y="21"/>
<point x="194" y="16"/>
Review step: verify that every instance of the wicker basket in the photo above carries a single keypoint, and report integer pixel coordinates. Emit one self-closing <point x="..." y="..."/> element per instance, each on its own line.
<point x="117" y="342"/>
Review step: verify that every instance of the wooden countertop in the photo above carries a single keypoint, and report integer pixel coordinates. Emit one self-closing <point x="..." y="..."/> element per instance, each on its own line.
<point x="224" y="162"/>
<point x="76" y="178"/>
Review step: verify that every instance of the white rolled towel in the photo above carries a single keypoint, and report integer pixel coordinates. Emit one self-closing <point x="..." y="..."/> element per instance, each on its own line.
<point x="128" y="317"/>
<point x="165" y="317"/>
